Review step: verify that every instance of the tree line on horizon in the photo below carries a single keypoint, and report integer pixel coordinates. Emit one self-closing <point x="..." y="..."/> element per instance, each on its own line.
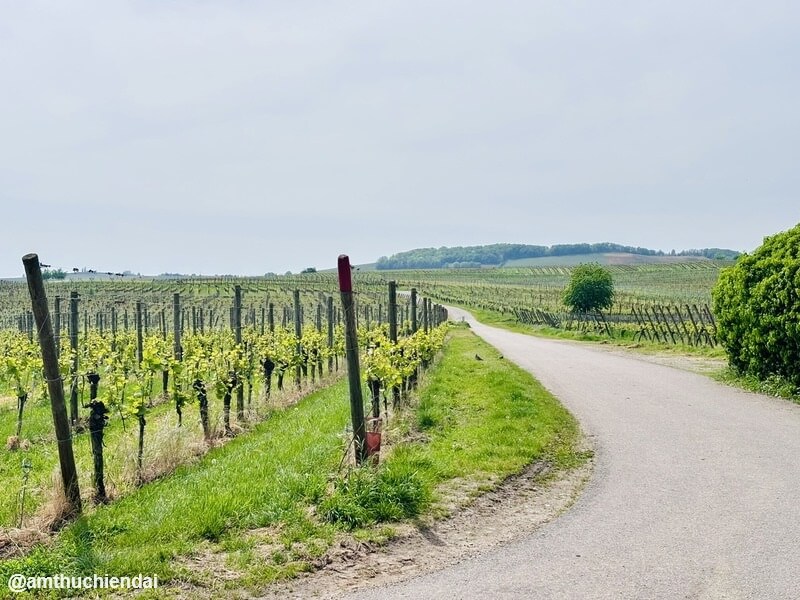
<point x="497" y="254"/>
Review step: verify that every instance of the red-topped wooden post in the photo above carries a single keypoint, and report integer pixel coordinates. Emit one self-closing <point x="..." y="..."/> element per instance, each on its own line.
<point x="351" y="351"/>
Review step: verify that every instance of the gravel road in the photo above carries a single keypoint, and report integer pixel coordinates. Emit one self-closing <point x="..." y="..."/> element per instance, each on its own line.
<point x="695" y="494"/>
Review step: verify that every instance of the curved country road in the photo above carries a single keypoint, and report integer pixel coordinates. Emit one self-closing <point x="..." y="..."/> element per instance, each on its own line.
<point x="695" y="493"/>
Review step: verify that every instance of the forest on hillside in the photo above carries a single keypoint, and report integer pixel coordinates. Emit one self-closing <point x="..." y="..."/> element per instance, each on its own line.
<point x="497" y="254"/>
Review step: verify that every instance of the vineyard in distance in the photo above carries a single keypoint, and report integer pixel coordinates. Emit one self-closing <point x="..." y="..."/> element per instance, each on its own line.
<point x="182" y="392"/>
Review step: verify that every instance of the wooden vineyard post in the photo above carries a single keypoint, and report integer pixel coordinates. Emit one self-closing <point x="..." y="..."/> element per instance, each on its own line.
<point x="177" y="351"/>
<point x="139" y="349"/>
<point x="298" y="333"/>
<point x="55" y="386"/>
<point x="162" y="324"/>
<point x="176" y="326"/>
<point x="694" y="326"/>
<point x="351" y="352"/>
<point x="317" y="358"/>
<point x="413" y="310"/>
<point x="392" y="316"/>
<point x="330" y="334"/>
<point x="237" y="323"/>
<point x="666" y="322"/>
<point x="73" y="371"/>
<point x="392" y="311"/>
<point x="271" y="317"/>
<point x="57" y="324"/>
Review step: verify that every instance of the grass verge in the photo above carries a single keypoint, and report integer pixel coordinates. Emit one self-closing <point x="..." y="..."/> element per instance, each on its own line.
<point x="772" y="386"/>
<point x="269" y="504"/>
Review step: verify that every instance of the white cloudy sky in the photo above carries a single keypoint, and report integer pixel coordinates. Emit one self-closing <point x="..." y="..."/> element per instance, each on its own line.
<point x="246" y="137"/>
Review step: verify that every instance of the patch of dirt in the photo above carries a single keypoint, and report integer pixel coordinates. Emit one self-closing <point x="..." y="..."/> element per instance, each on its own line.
<point x="15" y="542"/>
<point x="519" y="506"/>
<point x="702" y="365"/>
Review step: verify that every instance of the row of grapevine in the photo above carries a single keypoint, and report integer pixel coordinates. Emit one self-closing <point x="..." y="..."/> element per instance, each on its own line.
<point x="120" y="373"/>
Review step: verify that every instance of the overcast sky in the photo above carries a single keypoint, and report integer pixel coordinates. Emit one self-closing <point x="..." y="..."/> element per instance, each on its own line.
<point x="247" y="137"/>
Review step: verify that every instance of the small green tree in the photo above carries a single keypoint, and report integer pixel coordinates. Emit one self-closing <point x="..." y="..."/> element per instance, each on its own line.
<point x="591" y="288"/>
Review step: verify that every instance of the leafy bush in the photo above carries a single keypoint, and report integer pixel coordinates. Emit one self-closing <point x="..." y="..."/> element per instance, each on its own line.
<point x="757" y="305"/>
<point x="590" y="288"/>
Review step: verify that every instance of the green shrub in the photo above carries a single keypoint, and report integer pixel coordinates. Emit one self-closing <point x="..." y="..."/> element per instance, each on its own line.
<point x="757" y="306"/>
<point x="590" y="288"/>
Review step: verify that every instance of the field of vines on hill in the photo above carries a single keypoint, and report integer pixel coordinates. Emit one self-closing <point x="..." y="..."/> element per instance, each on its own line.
<point x="155" y="372"/>
<point x="666" y="303"/>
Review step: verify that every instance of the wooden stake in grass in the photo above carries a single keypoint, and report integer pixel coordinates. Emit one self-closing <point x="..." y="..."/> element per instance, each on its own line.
<point x="330" y="334"/>
<point x="177" y="350"/>
<point x="351" y="350"/>
<point x="414" y="310"/>
<point x="237" y="323"/>
<point x="73" y="370"/>
<point x="57" y="323"/>
<point x="392" y="315"/>
<point x="139" y="341"/>
<point x="55" y="387"/>
<point x="298" y="332"/>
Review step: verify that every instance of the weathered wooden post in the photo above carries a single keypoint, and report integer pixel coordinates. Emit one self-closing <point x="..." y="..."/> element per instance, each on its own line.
<point x="73" y="371"/>
<point x="139" y="349"/>
<point x="271" y="317"/>
<point x="237" y="315"/>
<point x="57" y="324"/>
<point x="55" y="386"/>
<point x="330" y="334"/>
<point x="351" y="350"/>
<point x="176" y="327"/>
<point x="298" y="332"/>
<point x="392" y="312"/>
<point x="162" y="324"/>
<point x="392" y="316"/>
<point x="177" y="351"/>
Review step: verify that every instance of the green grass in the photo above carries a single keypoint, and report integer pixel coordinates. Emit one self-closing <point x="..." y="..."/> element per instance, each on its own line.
<point x="268" y="503"/>
<point x="488" y="419"/>
<point x="772" y="386"/>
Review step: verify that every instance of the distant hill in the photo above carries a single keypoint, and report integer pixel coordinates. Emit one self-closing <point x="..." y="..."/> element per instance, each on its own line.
<point x="496" y="255"/>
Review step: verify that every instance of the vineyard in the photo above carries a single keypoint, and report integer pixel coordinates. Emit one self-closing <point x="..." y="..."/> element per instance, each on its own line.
<point x="661" y="303"/>
<point x="155" y="373"/>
